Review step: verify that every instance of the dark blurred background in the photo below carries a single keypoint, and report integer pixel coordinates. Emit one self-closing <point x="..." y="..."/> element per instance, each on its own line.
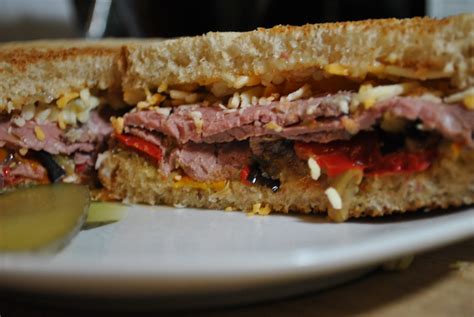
<point x="30" y="19"/>
<point x="178" y="18"/>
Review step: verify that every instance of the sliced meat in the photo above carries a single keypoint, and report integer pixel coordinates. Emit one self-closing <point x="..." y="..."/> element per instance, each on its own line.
<point x="207" y="162"/>
<point x="203" y="162"/>
<point x="84" y="158"/>
<point x="220" y="125"/>
<point x="56" y="141"/>
<point x="313" y="120"/>
<point x="452" y="121"/>
<point x="150" y="137"/>
<point x="25" y="137"/>
<point x="21" y="172"/>
<point x="95" y="130"/>
<point x="30" y="171"/>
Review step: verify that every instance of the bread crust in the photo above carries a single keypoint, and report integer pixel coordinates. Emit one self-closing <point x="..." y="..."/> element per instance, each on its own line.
<point x="45" y="70"/>
<point x="417" y="45"/>
<point x="449" y="182"/>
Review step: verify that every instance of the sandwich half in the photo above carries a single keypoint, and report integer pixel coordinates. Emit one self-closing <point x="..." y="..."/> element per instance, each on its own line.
<point x="349" y="119"/>
<point x="55" y="101"/>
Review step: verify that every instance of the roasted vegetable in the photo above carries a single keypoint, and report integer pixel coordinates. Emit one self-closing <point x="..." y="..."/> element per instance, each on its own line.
<point x="55" y="172"/>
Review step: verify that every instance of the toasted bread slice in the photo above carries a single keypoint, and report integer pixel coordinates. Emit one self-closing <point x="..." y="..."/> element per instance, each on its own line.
<point x="419" y="48"/>
<point x="45" y="70"/>
<point x="132" y="178"/>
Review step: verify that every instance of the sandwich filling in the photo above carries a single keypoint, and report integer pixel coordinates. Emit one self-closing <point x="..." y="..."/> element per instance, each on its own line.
<point x="46" y="143"/>
<point x="198" y="138"/>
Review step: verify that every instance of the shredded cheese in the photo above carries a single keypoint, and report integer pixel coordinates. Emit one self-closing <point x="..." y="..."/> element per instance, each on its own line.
<point x="100" y="159"/>
<point x="39" y="133"/>
<point x="350" y="125"/>
<point x="241" y="81"/>
<point x="162" y="87"/>
<point x="343" y="104"/>
<point x="261" y="210"/>
<point x="234" y="101"/>
<point x="61" y="123"/>
<point x="303" y="91"/>
<point x="314" y="168"/>
<point x="250" y="96"/>
<point x="337" y="69"/>
<point x="43" y="113"/>
<point x="392" y="57"/>
<point x="165" y="111"/>
<point x="70" y="109"/>
<point x="197" y="118"/>
<point x="273" y="126"/>
<point x="334" y="198"/>
<point x="18" y="121"/>
<point x="117" y="124"/>
<point x="311" y="109"/>
<point x="151" y="100"/>
<point x="469" y="102"/>
<point x="188" y="97"/>
<point x="466" y="97"/>
<point x="369" y="95"/>
<point x="28" y="111"/>
<point x="459" y="96"/>
<point x="64" y="100"/>
<point x="343" y="188"/>
<point x="155" y="99"/>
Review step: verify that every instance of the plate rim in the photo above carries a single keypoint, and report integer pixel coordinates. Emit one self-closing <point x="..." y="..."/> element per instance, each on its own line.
<point x="303" y="261"/>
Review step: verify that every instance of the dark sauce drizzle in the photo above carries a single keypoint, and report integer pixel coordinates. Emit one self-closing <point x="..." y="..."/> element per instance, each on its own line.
<point x="256" y="176"/>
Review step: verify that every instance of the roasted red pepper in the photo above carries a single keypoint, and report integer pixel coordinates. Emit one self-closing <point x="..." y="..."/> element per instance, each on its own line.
<point x="80" y="168"/>
<point x="337" y="163"/>
<point x="339" y="156"/>
<point x="401" y="162"/>
<point x="362" y="152"/>
<point x="244" y="175"/>
<point x="140" y="145"/>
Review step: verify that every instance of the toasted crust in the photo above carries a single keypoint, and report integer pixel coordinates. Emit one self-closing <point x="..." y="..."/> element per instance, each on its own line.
<point x="422" y="48"/>
<point x="45" y="70"/>
<point x="419" y="46"/>
<point x="450" y="182"/>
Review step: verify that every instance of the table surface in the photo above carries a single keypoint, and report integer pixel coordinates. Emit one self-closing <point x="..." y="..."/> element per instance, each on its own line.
<point x="438" y="283"/>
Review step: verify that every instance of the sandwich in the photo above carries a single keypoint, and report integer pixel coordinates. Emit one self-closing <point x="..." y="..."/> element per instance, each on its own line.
<point x="55" y="102"/>
<point x="349" y="119"/>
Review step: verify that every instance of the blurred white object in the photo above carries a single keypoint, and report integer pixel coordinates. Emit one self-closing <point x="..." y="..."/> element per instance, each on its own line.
<point x="97" y="23"/>
<point x="31" y="19"/>
<point x="443" y="8"/>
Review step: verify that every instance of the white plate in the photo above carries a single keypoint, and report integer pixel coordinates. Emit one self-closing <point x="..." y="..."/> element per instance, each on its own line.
<point x="175" y="254"/>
